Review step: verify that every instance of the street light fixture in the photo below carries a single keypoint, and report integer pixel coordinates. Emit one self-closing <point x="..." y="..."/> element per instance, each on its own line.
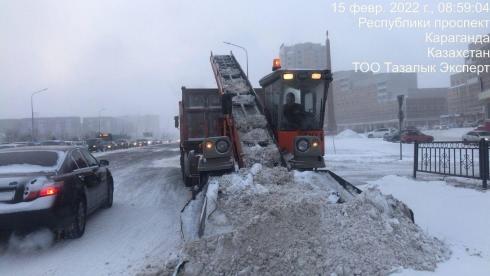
<point x="241" y="47"/>
<point x="32" y="111"/>
<point x="100" y="111"/>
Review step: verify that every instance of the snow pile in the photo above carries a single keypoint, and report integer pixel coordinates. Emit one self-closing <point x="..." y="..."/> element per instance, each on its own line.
<point x="269" y="221"/>
<point x="349" y="134"/>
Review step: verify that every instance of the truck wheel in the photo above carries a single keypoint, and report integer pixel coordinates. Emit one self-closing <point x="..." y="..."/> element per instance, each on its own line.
<point x="188" y="181"/>
<point x="77" y="226"/>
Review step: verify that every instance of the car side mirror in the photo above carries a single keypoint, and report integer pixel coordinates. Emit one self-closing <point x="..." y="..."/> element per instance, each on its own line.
<point x="104" y="163"/>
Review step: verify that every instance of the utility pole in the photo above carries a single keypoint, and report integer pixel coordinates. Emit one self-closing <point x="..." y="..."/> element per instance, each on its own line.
<point x="32" y="111"/>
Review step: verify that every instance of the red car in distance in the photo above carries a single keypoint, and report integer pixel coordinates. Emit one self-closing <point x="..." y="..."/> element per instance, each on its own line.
<point x="412" y="136"/>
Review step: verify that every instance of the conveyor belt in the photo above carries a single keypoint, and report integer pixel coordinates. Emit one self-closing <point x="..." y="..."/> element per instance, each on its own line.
<point x="256" y="142"/>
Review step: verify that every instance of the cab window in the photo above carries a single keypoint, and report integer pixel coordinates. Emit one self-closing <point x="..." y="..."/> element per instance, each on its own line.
<point x="302" y="103"/>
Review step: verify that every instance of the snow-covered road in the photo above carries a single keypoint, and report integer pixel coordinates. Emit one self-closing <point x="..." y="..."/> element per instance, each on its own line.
<point x="141" y="229"/>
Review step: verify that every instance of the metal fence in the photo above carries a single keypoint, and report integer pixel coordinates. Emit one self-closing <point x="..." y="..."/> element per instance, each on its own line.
<point x="470" y="160"/>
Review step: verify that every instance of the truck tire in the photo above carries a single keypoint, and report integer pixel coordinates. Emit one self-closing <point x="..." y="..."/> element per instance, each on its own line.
<point x="188" y="181"/>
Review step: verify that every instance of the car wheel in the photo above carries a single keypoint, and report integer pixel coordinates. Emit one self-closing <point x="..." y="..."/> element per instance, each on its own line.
<point x="77" y="226"/>
<point x="110" y="194"/>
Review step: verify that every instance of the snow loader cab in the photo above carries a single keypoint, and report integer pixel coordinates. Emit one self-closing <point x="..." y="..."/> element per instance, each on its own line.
<point x="203" y="147"/>
<point x="294" y="105"/>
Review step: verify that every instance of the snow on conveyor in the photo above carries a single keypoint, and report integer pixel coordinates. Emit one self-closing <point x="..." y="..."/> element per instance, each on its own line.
<point x="256" y="143"/>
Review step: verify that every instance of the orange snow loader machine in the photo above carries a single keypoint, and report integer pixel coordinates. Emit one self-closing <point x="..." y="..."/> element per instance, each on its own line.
<point x="292" y="101"/>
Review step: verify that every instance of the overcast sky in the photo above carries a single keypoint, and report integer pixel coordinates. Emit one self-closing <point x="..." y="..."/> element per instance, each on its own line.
<point x="132" y="57"/>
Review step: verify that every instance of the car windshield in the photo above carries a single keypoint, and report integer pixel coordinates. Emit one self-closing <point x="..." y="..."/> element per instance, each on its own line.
<point x="30" y="161"/>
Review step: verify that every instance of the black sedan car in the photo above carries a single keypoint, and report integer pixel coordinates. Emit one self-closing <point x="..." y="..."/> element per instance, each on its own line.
<point x="52" y="186"/>
<point x="95" y="144"/>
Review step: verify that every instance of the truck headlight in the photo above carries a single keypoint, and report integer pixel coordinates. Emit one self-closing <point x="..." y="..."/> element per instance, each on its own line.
<point x="302" y="145"/>
<point x="315" y="144"/>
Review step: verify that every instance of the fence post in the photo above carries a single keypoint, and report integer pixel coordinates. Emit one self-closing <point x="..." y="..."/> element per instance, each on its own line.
<point x="484" y="162"/>
<point x="415" y="159"/>
<point x="487" y="169"/>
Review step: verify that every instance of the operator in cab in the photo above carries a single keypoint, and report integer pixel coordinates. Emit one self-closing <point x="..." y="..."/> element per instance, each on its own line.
<point x="293" y="112"/>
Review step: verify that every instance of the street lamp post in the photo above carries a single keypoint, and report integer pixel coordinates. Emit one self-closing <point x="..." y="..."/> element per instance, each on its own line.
<point x="32" y="111"/>
<point x="241" y="47"/>
<point x="100" y="111"/>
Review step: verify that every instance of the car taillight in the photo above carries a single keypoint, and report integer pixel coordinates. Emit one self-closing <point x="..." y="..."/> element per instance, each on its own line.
<point x="48" y="189"/>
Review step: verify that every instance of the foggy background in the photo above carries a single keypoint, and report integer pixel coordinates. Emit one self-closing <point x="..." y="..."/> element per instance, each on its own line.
<point x="132" y="57"/>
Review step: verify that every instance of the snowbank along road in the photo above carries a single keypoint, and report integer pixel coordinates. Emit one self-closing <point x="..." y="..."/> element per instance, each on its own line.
<point x="140" y="230"/>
